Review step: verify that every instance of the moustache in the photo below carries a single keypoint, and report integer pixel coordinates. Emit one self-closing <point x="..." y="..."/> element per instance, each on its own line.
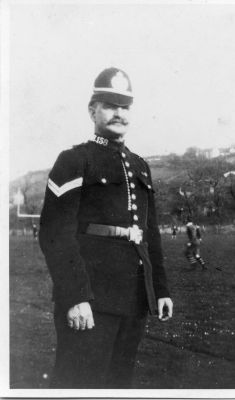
<point x="118" y="120"/>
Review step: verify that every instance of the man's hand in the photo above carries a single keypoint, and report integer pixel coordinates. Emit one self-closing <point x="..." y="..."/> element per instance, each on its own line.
<point x="165" y="308"/>
<point x="80" y="317"/>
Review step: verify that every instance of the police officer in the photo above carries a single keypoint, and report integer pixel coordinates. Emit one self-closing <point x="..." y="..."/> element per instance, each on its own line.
<point x="100" y="238"/>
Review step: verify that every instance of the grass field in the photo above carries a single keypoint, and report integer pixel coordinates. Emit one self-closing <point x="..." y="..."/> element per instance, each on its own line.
<point x="195" y="350"/>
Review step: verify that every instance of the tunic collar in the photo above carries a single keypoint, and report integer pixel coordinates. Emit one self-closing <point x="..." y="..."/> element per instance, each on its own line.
<point x="109" y="144"/>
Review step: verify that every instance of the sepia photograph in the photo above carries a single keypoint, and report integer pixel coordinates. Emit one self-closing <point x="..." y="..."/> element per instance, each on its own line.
<point x="117" y="199"/>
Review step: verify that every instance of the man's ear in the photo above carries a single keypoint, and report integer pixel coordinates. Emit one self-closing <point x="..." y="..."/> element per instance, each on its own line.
<point x="91" y="110"/>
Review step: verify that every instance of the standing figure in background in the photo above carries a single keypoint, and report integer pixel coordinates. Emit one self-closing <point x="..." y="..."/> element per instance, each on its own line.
<point x="35" y="231"/>
<point x="174" y="232"/>
<point x="192" y="251"/>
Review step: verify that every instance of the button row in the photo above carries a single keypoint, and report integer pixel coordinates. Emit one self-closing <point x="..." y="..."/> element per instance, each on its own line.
<point x="132" y="186"/>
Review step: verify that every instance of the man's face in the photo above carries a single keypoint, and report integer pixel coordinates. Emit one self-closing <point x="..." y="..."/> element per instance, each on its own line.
<point x="111" y="121"/>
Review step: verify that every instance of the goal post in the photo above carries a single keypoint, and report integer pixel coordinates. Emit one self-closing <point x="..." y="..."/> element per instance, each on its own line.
<point x="19" y="201"/>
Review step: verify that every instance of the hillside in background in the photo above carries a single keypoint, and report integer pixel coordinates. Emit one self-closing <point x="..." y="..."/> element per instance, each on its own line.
<point x="33" y="184"/>
<point x="189" y="184"/>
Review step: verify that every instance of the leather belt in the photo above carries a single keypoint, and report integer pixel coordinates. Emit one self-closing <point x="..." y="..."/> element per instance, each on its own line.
<point x="132" y="233"/>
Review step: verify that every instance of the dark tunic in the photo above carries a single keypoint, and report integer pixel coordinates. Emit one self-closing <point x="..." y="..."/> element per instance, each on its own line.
<point x="102" y="183"/>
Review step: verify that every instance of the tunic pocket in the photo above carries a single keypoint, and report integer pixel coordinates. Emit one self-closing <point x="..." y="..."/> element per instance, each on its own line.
<point x="145" y="181"/>
<point x="104" y="177"/>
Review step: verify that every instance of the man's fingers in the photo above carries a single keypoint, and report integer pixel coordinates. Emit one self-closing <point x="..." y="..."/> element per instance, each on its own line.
<point x="81" y="323"/>
<point x="80" y="317"/>
<point x="71" y="315"/>
<point x="90" y="322"/>
<point x="76" y="323"/>
<point x="70" y="323"/>
<point x="169" y="304"/>
<point x="170" y="311"/>
<point x="87" y="323"/>
<point x="160" y="308"/>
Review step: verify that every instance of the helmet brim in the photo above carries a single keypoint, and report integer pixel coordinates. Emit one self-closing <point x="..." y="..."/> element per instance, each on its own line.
<point x="116" y="99"/>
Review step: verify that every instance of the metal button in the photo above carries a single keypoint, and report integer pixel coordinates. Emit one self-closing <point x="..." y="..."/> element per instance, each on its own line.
<point x="134" y="207"/>
<point x="149" y="187"/>
<point x="135" y="217"/>
<point x="140" y="262"/>
<point x="130" y="174"/>
<point x="104" y="180"/>
<point x="144" y="173"/>
<point x="132" y="185"/>
<point x="133" y="196"/>
<point x="127" y="164"/>
<point x="123" y="155"/>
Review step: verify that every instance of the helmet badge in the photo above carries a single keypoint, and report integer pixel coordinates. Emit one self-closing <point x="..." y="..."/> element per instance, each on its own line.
<point x="119" y="82"/>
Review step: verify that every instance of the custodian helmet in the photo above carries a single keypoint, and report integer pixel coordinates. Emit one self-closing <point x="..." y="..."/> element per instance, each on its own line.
<point x="112" y="86"/>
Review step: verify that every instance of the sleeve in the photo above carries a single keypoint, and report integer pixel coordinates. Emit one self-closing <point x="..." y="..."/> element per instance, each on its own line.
<point x="155" y="249"/>
<point x="58" y="227"/>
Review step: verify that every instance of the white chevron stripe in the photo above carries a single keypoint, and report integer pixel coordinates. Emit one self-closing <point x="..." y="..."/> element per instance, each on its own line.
<point x="58" y="191"/>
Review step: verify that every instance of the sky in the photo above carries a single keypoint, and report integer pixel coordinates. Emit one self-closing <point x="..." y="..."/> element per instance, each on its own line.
<point x="180" y="57"/>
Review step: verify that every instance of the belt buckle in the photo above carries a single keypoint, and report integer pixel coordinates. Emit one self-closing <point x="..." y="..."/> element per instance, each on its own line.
<point x="135" y="234"/>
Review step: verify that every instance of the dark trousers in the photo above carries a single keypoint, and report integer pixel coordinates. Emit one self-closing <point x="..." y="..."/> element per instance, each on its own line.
<point x="103" y="357"/>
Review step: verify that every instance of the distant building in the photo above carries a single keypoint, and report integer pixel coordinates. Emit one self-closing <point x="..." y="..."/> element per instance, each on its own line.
<point x="217" y="152"/>
<point x="153" y="158"/>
